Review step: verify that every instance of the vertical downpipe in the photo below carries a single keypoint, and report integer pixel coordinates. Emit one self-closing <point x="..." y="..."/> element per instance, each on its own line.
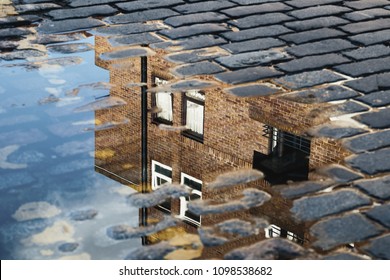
<point x="144" y="138"/>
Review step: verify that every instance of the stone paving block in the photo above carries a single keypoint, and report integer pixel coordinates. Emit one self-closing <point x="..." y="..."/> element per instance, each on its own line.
<point x="196" y="55"/>
<point x="368" y="52"/>
<point x="335" y="130"/>
<point x="249" y="59"/>
<point x="255" y="21"/>
<point x="71" y="48"/>
<point x="199" y="68"/>
<point x="375" y="119"/>
<point x="272" y="249"/>
<point x="59" y="38"/>
<point x="378" y="187"/>
<point x="379" y="247"/>
<point x="62" y="26"/>
<point x="371" y="163"/>
<point x="319" y="11"/>
<point x="134" y="39"/>
<point x="368" y="142"/>
<point x="312" y="35"/>
<point x="365" y="67"/>
<point x="367" y="14"/>
<point x="320" y="22"/>
<point x="126" y="53"/>
<point x="340" y="174"/>
<point x="344" y="256"/>
<point x="127" y="29"/>
<point x="147" y="4"/>
<point x="303" y="188"/>
<point x="349" y="107"/>
<point x="372" y="38"/>
<point x="251" y="2"/>
<point x="380" y="214"/>
<point x="312" y="63"/>
<point x="365" y="4"/>
<point x="195" y="18"/>
<point x="253" y="45"/>
<point x="308" y="79"/>
<point x="21" y="54"/>
<point x="204" y="6"/>
<point x="80" y="3"/>
<point x="309" y="3"/>
<point x="319" y="206"/>
<point x="82" y="12"/>
<point x="195" y="42"/>
<point x="252" y="90"/>
<point x="343" y="230"/>
<point x="31" y="8"/>
<point x="320" y="47"/>
<point x="18" y="20"/>
<point x="370" y="83"/>
<point x="246" y="75"/>
<point x="68" y="247"/>
<point x="367" y="26"/>
<point x="318" y="95"/>
<point x="376" y="99"/>
<point x="241" y="11"/>
<point x="191" y="84"/>
<point x="137" y="17"/>
<point x="15" y="32"/>
<point x="257" y="32"/>
<point x="195" y="29"/>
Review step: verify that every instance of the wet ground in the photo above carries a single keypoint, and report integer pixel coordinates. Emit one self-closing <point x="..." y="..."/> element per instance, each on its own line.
<point x="53" y="203"/>
<point x="68" y="181"/>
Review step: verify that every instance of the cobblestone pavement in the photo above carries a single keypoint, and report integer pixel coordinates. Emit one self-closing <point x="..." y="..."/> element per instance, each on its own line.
<point x="283" y="48"/>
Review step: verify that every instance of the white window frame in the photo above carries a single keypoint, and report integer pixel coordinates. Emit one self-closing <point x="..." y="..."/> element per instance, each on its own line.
<point x="167" y="113"/>
<point x="194" y="100"/>
<point x="156" y="176"/>
<point x="184" y="202"/>
<point x="276" y="231"/>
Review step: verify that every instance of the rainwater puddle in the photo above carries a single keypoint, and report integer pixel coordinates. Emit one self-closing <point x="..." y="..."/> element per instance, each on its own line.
<point x="53" y="202"/>
<point x="108" y="155"/>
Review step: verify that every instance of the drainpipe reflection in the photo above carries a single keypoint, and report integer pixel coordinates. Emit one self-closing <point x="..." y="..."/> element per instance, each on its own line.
<point x="144" y="137"/>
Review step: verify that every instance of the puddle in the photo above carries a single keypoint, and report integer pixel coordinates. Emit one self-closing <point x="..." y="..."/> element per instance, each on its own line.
<point x="45" y="163"/>
<point x="120" y="144"/>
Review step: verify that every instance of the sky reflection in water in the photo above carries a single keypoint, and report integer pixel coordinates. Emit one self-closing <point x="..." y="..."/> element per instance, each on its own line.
<point x="53" y="203"/>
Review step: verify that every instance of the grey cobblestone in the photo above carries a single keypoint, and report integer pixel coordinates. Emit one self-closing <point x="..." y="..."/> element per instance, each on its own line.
<point x="319" y="22"/>
<point x="316" y="207"/>
<point x="371" y="163"/>
<point x="343" y="230"/>
<point x="253" y="45"/>
<point x="312" y="35"/>
<point x="258" y="32"/>
<point x="379" y="247"/>
<point x="248" y="75"/>
<point x="308" y="79"/>
<point x="312" y="63"/>
<point x="368" y="142"/>
<point x="378" y="187"/>
<point x="320" y="47"/>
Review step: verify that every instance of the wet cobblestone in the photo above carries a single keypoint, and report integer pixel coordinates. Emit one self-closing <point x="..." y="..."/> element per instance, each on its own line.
<point x="304" y="51"/>
<point x="316" y="207"/>
<point x="346" y="229"/>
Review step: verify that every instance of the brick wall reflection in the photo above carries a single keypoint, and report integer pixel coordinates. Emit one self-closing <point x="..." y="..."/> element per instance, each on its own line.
<point x="232" y="132"/>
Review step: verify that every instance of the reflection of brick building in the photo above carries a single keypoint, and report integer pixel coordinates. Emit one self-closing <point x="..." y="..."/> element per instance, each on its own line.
<point x="222" y="132"/>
